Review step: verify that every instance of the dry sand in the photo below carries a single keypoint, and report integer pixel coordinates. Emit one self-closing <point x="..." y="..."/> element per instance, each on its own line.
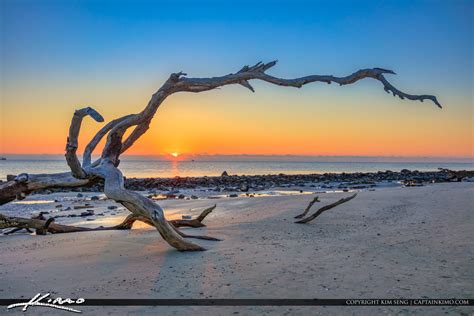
<point x="390" y="243"/>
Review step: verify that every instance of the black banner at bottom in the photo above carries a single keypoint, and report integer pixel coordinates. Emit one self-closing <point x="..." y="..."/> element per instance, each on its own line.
<point x="262" y="302"/>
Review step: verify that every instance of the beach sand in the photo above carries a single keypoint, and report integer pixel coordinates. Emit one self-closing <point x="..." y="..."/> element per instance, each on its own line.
<point x="390" y="243"/>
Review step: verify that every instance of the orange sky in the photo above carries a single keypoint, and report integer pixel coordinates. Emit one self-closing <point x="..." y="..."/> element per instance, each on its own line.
<point x="318" y="120"/>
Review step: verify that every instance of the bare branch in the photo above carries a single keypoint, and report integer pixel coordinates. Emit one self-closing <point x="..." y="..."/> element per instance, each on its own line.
<point x="325" y="208"/>
<point x="258" y="72"/>
<point x="86" y="160"/>
<point x="388" y="87"/>
<point x="44" y="226"/>
<point x="316" y="199"/>
<point x="206" y="212"/>
<point x="195" y="236"/>
<point x="24" y="183"/>
<point x="195" y="222"/>
<point x="247" y="85"/>
<point x="72" y="143"/>
<point x="136" y="134"/>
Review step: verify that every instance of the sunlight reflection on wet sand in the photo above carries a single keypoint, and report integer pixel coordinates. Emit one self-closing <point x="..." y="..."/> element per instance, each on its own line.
<point x="33" y="202"/>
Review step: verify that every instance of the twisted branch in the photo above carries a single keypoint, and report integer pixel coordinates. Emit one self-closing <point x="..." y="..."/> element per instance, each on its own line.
<point x="86" y="160"/>
<point x="72" y="143"/>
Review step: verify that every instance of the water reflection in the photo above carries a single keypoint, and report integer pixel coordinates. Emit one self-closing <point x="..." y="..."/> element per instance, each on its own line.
<point x="174" y="168"/>
<point x="33" y="202"/>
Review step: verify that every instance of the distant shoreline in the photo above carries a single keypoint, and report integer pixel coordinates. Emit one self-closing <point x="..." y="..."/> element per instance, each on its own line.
<point x="254" y="183"/>
<point x="169" y="169"/>
<point x="262" y="158"/>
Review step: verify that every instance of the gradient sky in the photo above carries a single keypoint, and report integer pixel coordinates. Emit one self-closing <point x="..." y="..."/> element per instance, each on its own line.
<point x="57" y="56"/>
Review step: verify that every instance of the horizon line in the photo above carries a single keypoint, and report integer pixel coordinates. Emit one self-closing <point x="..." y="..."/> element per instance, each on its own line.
<point x="260" y="158"/>
<point x="258" y="155"/>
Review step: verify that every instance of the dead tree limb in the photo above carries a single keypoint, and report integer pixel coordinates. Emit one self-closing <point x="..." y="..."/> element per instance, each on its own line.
<point x="195" y="222"/>
<point x="106" y="167"/>
<point x="86" y="160"/>
<point x="132" y="218"/>
<point x="258" y="72"/>
<point x="325" y="208"/>
<point x="42" y="226"/>
<point x="195" y="236"/>
<point x="24" y="184"/>
<point x="14" y="230"/>
<point x="72" y="143"/>
<point x="316" y="199"/>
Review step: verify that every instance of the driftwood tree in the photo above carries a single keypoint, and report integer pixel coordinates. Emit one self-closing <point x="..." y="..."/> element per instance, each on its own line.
<point x="106" y="167"/>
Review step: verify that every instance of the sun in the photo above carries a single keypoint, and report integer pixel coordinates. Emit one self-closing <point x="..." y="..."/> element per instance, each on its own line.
<point x="175" y="155"/>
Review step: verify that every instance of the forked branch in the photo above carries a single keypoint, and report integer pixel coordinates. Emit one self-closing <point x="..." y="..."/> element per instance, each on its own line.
<point x="316" y="199"/>
<point x="195" y="222"/>
<point x="325" y="208"/>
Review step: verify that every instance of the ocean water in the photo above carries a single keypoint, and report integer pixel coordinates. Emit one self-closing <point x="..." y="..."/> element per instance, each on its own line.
<point x="143" y="168"/>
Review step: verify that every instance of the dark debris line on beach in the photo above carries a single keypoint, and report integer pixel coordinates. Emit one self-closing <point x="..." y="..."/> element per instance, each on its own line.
<point x="245" y="183"/>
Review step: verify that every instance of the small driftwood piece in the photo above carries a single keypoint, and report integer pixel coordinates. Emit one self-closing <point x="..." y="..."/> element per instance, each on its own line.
<point x="195" y="222"/>
<point x="316" y="199"/>
<point x="325" y="208"/>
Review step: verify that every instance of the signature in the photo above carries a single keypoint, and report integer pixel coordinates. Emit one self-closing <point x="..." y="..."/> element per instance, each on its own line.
<point x="46" y="301"/>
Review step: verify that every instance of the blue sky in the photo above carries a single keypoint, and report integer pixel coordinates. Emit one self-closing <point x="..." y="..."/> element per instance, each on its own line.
<point x="335" y="35"/>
